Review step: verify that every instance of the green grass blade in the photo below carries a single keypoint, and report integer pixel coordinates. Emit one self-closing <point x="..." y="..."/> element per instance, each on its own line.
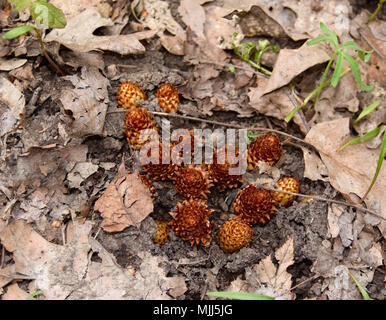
<point x="292" y="113"/>
<point x="317" y="40"/>
<point x="239" y="295"/>
<point x="338" y="69"/>
<point x="382" y="155"/>
<point x="362" y="290"/>
<point x="367" y="110"/>
<point x="363" y="55"/>
<point x="369" y="135"/>
<point x="357" y="73"/>
<point x="17" y="32"/>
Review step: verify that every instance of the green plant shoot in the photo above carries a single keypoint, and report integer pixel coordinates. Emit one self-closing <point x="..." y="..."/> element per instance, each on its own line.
<point x="366" y="111"/>
<point x="45" y="15"/>
<point x="34" y="295"/>
<point x="251" y="135"/>
<point x="362" y="290"/>
<point x="340" y="54"/>
<point x="251" y="52"/>
<point x="366" y="137"/>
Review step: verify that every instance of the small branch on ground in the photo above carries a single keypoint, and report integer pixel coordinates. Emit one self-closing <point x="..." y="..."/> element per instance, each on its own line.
<point x="326" y="200"/>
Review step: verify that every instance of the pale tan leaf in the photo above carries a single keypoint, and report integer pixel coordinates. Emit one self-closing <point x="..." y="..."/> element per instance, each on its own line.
<point x="12" y="98"/>
<point x="10" y="64"/>
<point x="87" y="101"/>
<point x="300" y="19"/>
<point x="73" y="8"/>
<point x="351" y="170"/>
<point x="292" y="62"/>
<point x="265" y="278"/>
<point x="66" y="272"/>
<point x="125" y="202"/>
<point x="90" y="20"/>
<point x="160" y="19"/>
<point x="14" y="293"/>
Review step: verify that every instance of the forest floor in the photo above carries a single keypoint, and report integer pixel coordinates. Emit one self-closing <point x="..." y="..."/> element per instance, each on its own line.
<point x="63" y="149"/>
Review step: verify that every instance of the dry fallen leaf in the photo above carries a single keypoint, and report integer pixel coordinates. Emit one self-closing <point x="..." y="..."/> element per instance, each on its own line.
<point x="87" y="101"/>
<point x="363" y="257"/>
<point x="208" y="37"/>
<point x="73" y="8"/>
<point x="351" y="170"/>
<point x="81" y="172"/>
<point x="40" y="163"/>
<point x="300" y="19"/>
<point x="56" y="269"/>
<point x="125" y="202"/>
<point x="67" y="272"/>
<point x="7" y="274"/>
<point x="160" y="19"/>
<point x="14" y="293"/>
<point x="292" y="62"/>
<point x="265" y="278"/>
<point x="10" y="64"/>
<point x="275" y="104"/>
<point x="14" y="101"/>
<point x="90" y="20"/>
<point x="314" y="168"/>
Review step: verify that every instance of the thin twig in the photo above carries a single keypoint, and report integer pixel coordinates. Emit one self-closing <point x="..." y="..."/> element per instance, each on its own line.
<point x="305" y="281"/>
<point x="227" y="65"/>
<point x="224" y="124"/>
<point x="326" y="200"/>
<point x="58" y="70"/>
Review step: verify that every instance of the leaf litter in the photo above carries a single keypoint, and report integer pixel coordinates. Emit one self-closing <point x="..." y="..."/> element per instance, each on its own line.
<point x="62" y="177"/>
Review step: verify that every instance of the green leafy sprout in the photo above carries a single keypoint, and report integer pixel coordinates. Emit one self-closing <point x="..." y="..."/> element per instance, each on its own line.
<point x="252" y="52"/>
<point x="368" y="136"/>
<point x="251" y="136"/>
<point x="340" y="54"/>
<point x="45" y="15"/>
<point x="34" y="295"/>
<point x="239" y="295"/>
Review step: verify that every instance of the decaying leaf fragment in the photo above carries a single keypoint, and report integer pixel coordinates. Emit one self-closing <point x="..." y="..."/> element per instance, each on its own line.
<point x="265" y="278"/>
<point x="66" y="272"/>
<point x="87" y="101"/>
<point x="125" y="202"/>
<point x="160" y="19"/>
<point x="14" y="101"/>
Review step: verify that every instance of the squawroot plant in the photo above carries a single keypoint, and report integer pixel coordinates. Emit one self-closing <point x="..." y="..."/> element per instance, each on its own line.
<point x="368" y="136"/>
<point x="338" y="56"/>
<point x="252" y="53"/>
<point x="46" y="16"/>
